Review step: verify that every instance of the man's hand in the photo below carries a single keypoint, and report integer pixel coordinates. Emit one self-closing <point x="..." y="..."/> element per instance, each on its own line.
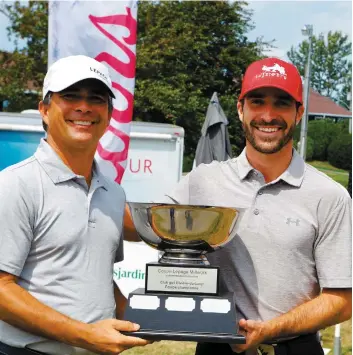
<point x="20" y="309"/>
<point x="332" y="306"/>
<point x="104" y="337"/>
<point x="254" y="332"/>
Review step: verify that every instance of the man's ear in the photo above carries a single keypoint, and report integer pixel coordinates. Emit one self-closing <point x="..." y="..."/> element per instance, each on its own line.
<point x="240" y="110"/>
<point x="300" y="113"/>
<point x="43" y="109"/>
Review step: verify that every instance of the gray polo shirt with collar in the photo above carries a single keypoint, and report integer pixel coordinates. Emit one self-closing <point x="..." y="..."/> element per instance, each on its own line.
<point x="61" y="239"/>
<point x="294" y="238"/>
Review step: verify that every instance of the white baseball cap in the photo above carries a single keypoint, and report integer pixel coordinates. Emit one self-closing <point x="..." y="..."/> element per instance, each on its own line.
<point x="70" y="70"/>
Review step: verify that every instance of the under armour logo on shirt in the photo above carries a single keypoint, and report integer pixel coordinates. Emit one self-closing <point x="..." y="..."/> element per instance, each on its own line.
<point x="294" y="221"/>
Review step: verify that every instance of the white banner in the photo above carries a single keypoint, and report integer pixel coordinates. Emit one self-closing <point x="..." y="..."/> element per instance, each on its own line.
<point x="106" y="31"/>
<point x="130" y="273"/>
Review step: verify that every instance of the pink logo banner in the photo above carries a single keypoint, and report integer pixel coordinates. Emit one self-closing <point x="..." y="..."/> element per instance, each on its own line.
<point x="106" y="31"/>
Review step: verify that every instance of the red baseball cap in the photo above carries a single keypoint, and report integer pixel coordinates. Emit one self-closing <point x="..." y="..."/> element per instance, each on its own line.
<point x="273" y="72"/>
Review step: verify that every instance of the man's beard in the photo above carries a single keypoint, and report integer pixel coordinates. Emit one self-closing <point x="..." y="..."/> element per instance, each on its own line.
<point x="276" y="145"/>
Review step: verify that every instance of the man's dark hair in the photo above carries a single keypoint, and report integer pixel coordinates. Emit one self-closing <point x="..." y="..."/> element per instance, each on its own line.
<point x="110" y="104"/>
<point x="46" y="101"/>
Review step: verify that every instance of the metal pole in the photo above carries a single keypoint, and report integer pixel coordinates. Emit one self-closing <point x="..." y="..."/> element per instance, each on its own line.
<point x="304" y="124"/>
<point x="337" y="340"/>
<point x="349" y="97"/>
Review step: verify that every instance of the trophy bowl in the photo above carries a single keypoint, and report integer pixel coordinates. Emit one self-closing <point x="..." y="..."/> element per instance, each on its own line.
<point x="182" y="298"/>
<point x="185" y="233"/>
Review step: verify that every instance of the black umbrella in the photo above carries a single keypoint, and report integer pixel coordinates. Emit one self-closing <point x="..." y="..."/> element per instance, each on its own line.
<point x="214" y="142"/>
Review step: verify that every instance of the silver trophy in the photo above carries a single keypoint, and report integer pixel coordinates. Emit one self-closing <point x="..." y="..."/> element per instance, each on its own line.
<point x="181" y="299"/>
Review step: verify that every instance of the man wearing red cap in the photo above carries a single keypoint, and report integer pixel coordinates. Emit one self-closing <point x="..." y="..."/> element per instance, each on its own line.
<point x="290" y="263"/>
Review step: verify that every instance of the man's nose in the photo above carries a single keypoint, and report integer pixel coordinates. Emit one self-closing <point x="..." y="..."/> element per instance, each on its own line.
<point x="269" y="113"/>
<point x="83" y="106"/>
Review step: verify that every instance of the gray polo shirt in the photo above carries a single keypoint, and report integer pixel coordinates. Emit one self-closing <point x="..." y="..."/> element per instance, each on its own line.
<point x="61" y="239"/>
<point x="294" y="238"/>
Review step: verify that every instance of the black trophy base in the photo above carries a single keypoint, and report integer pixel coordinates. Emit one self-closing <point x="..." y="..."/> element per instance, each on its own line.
<point x="216" y="323"/>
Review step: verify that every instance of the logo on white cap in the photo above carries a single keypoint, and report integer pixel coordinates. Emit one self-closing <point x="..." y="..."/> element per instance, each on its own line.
<point x="99" y="73"/>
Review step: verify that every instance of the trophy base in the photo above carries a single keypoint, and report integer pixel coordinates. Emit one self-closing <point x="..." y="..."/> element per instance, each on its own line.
<point x="179" y="317"/>
<point x="150" y="334"/>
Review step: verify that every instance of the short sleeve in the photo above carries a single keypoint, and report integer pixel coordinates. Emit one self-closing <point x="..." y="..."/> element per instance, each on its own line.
<point x="180" y="193"/>
<point x="333" y="247"/>
<point x="16" y="223"/>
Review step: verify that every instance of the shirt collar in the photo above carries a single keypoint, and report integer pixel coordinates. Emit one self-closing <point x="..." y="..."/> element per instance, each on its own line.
<point x="293" y="175"/>
<point x="244" y="166"/>
<point x="59" y="172"/>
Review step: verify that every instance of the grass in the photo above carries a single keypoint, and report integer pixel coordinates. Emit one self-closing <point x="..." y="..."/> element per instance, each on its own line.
<point x="327" y="336"/>
<point x="324" y="165"/>
<point x="187" y="348"/>
<point x="164" y="348"/>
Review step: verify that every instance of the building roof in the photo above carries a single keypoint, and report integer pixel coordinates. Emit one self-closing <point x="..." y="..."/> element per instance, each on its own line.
<point x="323" y="106"/>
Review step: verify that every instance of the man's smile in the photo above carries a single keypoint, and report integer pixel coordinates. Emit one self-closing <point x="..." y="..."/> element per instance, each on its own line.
<point x="81" y="123"/>
<point x="268" y="129"/>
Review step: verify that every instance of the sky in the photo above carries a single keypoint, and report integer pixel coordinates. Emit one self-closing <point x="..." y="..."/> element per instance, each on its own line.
<point x="278" y="20"/>
<point x="283" y="21"/>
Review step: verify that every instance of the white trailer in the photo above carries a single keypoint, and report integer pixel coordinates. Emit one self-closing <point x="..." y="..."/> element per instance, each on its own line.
<point x="155" y="157"/>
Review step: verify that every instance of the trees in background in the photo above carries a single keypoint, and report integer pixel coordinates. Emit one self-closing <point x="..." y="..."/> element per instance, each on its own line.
<point x="22" y="72"/>
<point x="331" y="70"/>
<point x="331" y="76"/>
<point x="339" y="153"/>
<point x="321" y="133"/>
<point x="186" y="50"/>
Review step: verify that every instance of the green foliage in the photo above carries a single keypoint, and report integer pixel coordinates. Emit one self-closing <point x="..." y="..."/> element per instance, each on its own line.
<point x="186" y="51"/>
<point x="188" y="163"/>
<point x="340" y="151"/>
<point x="331" y="70"/>
<point x="24" y="68"/>
<point x="320" y="134"/>
<point x="309" y="149"/>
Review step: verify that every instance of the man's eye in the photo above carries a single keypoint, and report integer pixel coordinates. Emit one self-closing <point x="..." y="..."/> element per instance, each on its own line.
<point x="70" y="96"/>
<point x="98" y="99"/>
<point x="257" y="101"/>
<point x="283" y="103"/>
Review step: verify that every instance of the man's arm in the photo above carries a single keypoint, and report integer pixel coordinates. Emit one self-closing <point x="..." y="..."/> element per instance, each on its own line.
<point x="331" y="307"/>
<point x="20" y="309"/>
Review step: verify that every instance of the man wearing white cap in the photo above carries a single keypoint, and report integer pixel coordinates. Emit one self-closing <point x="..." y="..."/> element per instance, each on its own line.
<point x="61" y="224"/>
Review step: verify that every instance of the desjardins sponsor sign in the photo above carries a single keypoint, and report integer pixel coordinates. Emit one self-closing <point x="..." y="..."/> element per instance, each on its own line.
<point x="136" y="274"/>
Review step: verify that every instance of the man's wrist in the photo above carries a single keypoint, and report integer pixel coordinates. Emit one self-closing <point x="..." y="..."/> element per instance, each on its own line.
<point x="269" y="331"/>
<point x="82" y="335"/>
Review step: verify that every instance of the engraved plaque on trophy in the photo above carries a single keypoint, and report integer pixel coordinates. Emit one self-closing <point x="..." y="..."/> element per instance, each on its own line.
<point x="181" y="299"/>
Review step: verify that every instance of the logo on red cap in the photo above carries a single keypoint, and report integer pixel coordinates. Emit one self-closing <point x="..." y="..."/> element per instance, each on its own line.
<point x="275" y="70"/>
